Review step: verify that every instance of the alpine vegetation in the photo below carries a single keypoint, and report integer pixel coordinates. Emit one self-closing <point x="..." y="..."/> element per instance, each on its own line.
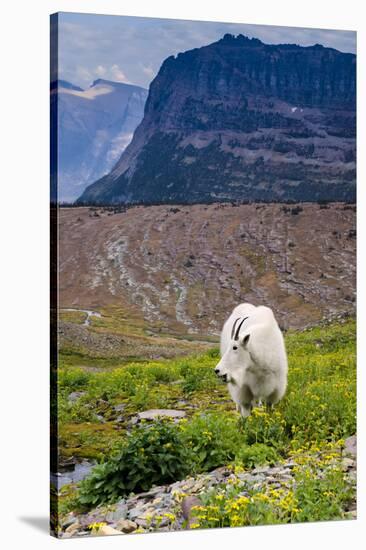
<point x="253" y="357"/>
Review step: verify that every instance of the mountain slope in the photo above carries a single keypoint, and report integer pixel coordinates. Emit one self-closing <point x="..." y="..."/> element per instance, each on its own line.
<point x="183" y="269"/>
<point x="94" y="127"/>
<point x="240" y="119"/>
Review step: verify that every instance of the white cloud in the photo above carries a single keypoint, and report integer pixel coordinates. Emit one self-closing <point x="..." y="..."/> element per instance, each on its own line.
<point x="149" y="71"/>
<point x="112" y="47"/>
<point x="100" y="71"/>
<point x="118" y="75"/>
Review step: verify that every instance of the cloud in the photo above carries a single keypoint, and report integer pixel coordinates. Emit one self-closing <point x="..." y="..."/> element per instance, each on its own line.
<point x="100" y="71"/>
<point x="132" y="49"/>
<point x="149" y="71"/>
<point x="118" y="75"/>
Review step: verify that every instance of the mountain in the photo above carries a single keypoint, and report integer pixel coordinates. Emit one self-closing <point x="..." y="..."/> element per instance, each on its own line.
<point x="242" y="120"/>
<point x="94" y="127"/>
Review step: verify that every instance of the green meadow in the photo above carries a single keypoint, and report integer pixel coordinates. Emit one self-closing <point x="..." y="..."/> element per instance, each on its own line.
<point x="309" y="426"/>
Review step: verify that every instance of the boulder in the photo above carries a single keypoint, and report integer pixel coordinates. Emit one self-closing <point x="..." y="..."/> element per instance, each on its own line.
<point x="126" y="526"/>
<point x="187" y="505"/>
<point x="73" y="528"/>
<point x="153" y="414"/>
<point x="350" y="446"/>
<point x="75" y="395"/>
<point x="106" y="530"/>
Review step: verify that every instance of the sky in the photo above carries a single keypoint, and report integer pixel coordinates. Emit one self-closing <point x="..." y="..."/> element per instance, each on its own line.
<point x="132" y="49"/>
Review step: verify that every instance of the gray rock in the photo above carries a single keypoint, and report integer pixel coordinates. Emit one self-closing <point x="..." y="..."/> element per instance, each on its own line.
<point x="151" y="493"/>
<point x="75" y="395"/>
<point x="143" y="522"/>
<point x="119" y="408"/>
<point x="115" y="515"/>
<point x="68" y="520"/>
<point x="350" y="446"/>
<point x="187" y="505"/>
<point x="134" y="513"/>
<point x="153" y="414"/>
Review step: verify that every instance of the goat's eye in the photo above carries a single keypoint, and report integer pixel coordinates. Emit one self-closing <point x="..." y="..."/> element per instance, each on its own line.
<point x="235" y="348"/>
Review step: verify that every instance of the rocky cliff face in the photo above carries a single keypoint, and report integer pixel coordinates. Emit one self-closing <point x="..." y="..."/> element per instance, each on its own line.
<point x="242" y="120"/>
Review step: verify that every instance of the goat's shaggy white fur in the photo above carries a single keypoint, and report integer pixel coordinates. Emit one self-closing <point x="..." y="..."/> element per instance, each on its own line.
<point x="253" y="357"/>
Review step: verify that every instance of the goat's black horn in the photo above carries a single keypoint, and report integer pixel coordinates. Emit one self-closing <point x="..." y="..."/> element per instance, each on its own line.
<point x="233" y="329"/>
<point x="238" y="329"/>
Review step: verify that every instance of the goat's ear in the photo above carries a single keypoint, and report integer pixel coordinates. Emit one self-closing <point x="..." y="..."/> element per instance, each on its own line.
<point x="245" y="340"/>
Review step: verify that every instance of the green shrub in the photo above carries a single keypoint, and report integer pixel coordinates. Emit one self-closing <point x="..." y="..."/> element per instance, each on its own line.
<point x="76" y="412"/>
<point x="214" y="438"/>
<point x="151" y="455"/>
<point x="268" y="428"/>
<point x="214" y="353"/>
<point x="72" y="379"/>
<point x="250" y="456"/>
<point x="197" y="376"/>
<point x="321" y="499"/>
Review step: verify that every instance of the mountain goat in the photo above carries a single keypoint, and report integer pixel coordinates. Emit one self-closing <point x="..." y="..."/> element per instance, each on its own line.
<point x="253" y="357"/>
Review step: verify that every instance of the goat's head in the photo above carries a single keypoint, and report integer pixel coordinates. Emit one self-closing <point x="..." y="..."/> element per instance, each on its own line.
<point x="236" y="357"/>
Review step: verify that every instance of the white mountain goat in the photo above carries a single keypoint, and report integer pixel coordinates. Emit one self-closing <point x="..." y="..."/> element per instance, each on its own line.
<point x="253" y="357"/>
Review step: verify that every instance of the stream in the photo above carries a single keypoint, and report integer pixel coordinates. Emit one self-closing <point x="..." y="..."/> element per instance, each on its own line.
<point x="89" y="313"/>
<point x="75" y="474"/>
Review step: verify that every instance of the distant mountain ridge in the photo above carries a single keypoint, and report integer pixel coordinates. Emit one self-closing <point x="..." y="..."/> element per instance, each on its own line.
<point x="94" y="126"/>
<point x="242" y="120"/>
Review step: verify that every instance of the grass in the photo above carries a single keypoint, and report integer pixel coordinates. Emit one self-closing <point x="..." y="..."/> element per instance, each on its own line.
<point x="317" y="413"/>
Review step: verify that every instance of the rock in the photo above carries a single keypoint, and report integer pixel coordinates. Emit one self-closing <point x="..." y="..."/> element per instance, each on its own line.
<point x="126" y="525"/>
<point x="75" y="395"/>
<point x="115" y="515"/>
<point x="68" y="521"/>
<point x="151" y="493"/>
<point x="153" y="414"/>
<point x="121" y="508"/>
<point x="119" y="408"/>
<point x="348" y="464"/>
<point x="198" y="486"/>
<point x="350" y="446"/>
<point x="134" y="513"/>
<point x="106" y="530"/>
<point x="143" y="522"/>
<point x="187" y="505"/>
<point x="71" y="529"/>
<point x="66" y="464"/>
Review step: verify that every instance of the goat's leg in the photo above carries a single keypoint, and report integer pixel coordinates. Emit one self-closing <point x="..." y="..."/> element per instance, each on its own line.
<point x="246" y="401"/>
<point x="271" y="400"/>
<point x="245" y="410"/>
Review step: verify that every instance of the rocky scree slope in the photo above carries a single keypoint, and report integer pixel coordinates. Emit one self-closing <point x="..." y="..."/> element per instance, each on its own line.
<point x="183" y="269"/>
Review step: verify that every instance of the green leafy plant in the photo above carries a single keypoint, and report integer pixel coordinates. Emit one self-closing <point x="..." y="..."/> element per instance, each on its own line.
<point x="250" y="456"/>
<point x="151" y="454"/>
<point x="213" y="438"/>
